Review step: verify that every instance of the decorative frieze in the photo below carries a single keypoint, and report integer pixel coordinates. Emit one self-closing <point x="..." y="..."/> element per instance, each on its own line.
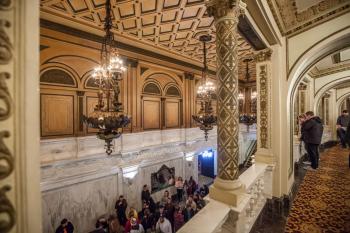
<point x="263" y="55"/>
<point x="263" y="101"/>
<point x="263" y="59"/>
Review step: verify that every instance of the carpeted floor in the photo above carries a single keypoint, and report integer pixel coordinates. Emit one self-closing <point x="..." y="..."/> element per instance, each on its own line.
<point x="322" y="204"/>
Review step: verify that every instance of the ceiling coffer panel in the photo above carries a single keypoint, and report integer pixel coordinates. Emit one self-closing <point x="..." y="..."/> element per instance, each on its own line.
<point x="171" y="24"/>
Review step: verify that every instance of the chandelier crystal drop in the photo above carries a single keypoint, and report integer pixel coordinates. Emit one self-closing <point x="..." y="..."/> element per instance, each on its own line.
<point x="108" y="116"/>
<point x="205" y="117"/>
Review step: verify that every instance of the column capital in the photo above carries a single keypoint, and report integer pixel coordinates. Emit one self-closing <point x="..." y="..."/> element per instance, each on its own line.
<point x="222" y="8"/>
<point x="189" y="75"/>
<point x="132" y="62"/>
<point x="263" y="55"/>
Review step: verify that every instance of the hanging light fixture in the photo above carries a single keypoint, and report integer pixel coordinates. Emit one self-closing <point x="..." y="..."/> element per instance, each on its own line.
<point x="108" y="116"/>
<point x="205" y="117"/>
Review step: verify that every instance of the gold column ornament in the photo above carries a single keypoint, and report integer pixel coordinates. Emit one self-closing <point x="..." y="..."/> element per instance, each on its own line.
<point x="226" y="13"/>
<point x="227" y="188"/>
<point x="264" y="93"/>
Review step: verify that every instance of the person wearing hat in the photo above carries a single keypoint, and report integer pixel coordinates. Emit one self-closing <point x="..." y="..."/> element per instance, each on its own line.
<point x="163" y="225"/>
<point x="135" y="226"/>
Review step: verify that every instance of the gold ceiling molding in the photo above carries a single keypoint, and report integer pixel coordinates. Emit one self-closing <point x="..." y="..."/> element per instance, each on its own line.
<point x="291" y="22"/>
<point x="316" y="73"/>
<point x="174" y="25"/>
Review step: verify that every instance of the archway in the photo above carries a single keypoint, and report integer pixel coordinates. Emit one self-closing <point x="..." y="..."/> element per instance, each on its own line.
<point x="324" y="48"/>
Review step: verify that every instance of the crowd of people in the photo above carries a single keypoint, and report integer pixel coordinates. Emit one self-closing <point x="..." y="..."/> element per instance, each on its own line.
<point x="166" y="216"/>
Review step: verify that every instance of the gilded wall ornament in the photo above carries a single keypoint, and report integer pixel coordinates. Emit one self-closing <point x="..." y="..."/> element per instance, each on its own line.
<point x="5" y="44"/>
<point x="5" y="97"/>
<point x="291" y="21"/>
<point x="7" y="163"/>
<point x="7" y="211"/>
<point x="263" y="55"/>
<point x="5" y="4"/>
<point x="263" y="92"/>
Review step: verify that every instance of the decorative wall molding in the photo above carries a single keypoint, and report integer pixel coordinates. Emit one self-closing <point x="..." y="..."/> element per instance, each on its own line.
<point x="263" y="101"/>
<point x="316" y="73"/>
<point x="7" y="210"/>
<point x="291" y="22"/>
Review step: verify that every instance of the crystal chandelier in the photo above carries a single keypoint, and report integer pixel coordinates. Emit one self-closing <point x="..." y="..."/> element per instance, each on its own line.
<point x="108" y="116"/>
<point x="205" y="117"/>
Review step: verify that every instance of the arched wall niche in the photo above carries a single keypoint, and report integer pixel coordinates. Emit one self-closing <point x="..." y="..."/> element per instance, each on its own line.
<point x="152" y="87"/>
<point x="161" y="100"/>
<point x="58" y="76"/>
<point x="326" y="47"/>
<point x="342" y="101"/>
<point x="326" y="88"/>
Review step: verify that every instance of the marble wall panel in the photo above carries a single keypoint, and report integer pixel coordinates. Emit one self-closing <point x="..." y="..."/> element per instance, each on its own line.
<point x="58" y="149"/>
<point x="132" y="187"/>
<point x="88" y="146"/>
<point x="81" y="203"/>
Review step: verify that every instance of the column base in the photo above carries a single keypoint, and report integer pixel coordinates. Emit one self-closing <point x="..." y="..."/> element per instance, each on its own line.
<point x="264" y="156"/>
<point x="227" y="191"/>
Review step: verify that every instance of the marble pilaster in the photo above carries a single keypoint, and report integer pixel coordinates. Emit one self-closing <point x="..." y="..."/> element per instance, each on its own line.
<point x="226" y="15"/>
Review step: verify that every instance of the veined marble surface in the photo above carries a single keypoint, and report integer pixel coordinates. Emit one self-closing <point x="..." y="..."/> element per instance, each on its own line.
<point x="82" y="204"/>
<point x="81" y="183"/>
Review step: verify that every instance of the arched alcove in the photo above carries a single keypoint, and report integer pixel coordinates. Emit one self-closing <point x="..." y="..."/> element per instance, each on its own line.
<point x="57" y="76"/>
<point x="320" y="50"/>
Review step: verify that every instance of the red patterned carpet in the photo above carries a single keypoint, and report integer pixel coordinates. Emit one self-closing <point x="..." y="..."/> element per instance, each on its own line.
<point x="322" y="204"/>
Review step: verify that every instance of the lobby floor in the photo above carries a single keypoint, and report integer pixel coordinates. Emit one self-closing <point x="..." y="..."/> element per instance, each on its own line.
<point x="322" y="203"/>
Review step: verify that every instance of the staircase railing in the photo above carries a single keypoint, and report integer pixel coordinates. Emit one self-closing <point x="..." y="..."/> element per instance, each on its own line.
<point x="248" y="155"/>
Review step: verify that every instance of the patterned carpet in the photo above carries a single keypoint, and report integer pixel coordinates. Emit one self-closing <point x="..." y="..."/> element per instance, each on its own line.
<point x="322" y="204"/>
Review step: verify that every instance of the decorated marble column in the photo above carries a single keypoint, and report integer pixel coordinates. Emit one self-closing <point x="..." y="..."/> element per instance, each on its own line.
<point x="20" y="203"/>
<point x="264" y="108"/>
<point x="227" y="187"/>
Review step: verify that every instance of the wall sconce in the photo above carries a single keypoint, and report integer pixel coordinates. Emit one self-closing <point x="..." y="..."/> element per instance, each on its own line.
<point x="130" y="172"/>
<point x="189" y="157"/>
<point x="240" y="96"/>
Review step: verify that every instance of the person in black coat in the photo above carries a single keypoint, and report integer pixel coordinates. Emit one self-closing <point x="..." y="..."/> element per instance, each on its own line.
<point x="65" y="226"/>
<point x="120" y="207"/>
<point x="312" y="136"/>
<point x="145" y="194"/>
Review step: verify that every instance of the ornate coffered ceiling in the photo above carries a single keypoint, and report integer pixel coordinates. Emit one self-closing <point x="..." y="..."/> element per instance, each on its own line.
<point x="331" y="64"/>
<point x="293" y="16"/>
<point x="171" y="25"/>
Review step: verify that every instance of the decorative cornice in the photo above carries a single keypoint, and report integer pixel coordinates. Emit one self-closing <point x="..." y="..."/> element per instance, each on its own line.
<point x="263" y="55"/>
<point x="291" y="22"/>
<point x="316" y="73"/>
<point x="132" y="62"/>
<point x="189" y="76"/>
<point x="224" y="8"/>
